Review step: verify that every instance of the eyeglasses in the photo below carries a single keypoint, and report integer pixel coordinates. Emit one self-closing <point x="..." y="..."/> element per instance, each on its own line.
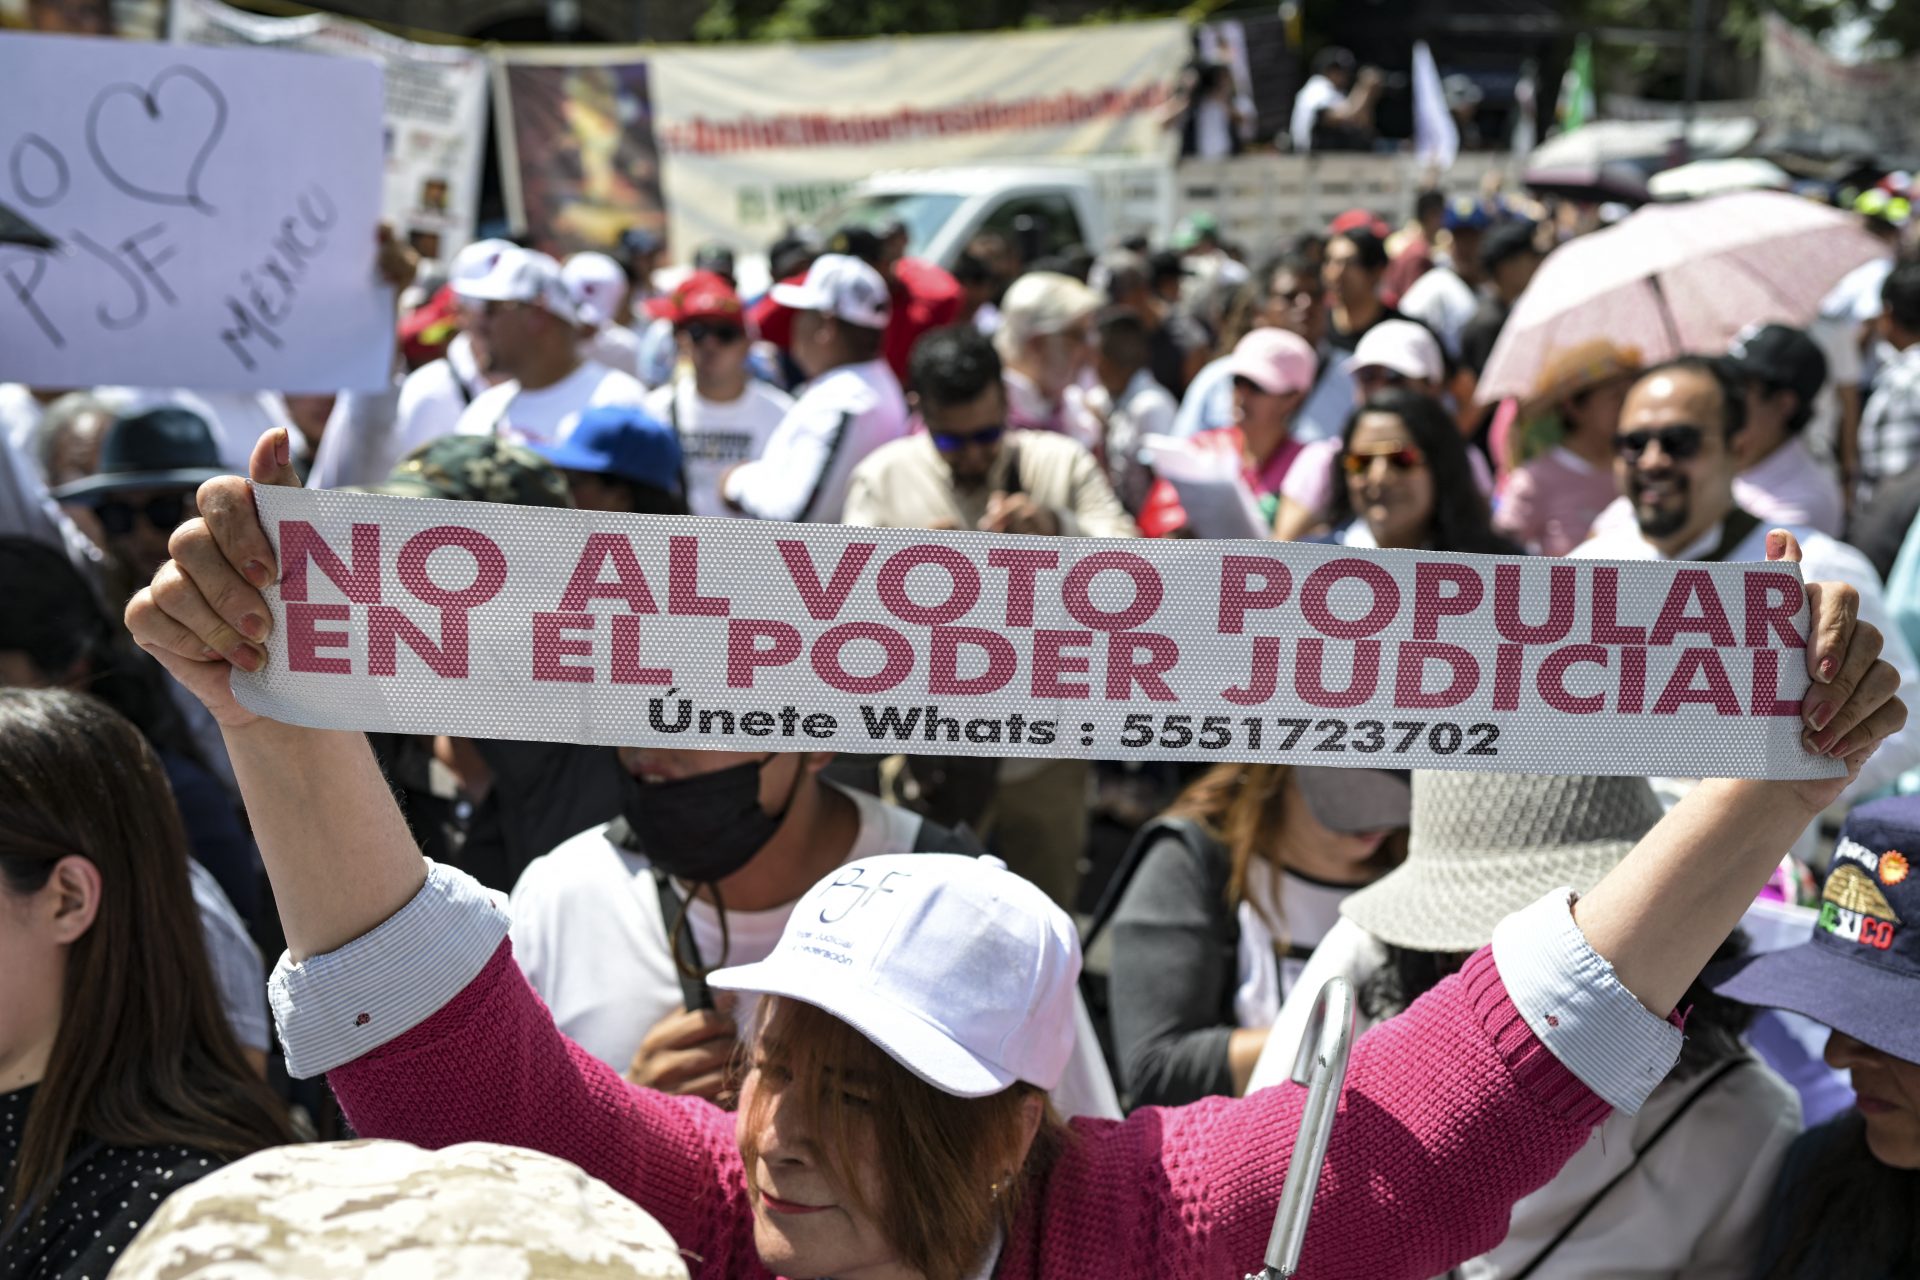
<point x="1405" y="458"/>
<point x="699" y="331"/>
<point x="1678" y="443"/>
<point x="164" y="512"/>
<point x="954" y="442"/>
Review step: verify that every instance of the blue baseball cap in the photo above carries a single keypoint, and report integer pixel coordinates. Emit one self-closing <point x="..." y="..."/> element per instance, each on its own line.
<point x="623" y="441"/>
<point x="1860" y="973"/>
<point x="1467" y="214"/>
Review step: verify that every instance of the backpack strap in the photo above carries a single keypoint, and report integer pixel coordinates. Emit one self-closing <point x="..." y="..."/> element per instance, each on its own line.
<point x="1735" y="531"/>
<point x="1573" y="1224"/>
<point x="1185" y="830"/>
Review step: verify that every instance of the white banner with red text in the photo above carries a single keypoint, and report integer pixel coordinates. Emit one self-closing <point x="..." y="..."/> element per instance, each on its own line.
<point x="417" y="616"/>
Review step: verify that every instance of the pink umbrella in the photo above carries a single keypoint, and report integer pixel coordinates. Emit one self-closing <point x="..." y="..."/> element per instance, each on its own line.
<point x="1671" y="279"/>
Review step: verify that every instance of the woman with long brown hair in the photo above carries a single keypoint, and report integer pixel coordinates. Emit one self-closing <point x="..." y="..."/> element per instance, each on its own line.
<point x="1217" y="907"/>
<point x="119" y="1076"/>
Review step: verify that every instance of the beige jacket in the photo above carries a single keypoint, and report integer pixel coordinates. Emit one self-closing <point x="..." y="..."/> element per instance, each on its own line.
<point x="906" y="485"/>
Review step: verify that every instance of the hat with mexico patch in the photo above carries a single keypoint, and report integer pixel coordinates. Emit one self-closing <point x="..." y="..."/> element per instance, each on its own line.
<point x="1860" y="972"/>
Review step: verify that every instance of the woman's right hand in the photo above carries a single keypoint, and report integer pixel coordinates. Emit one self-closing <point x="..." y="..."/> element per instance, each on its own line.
<point x="203" y="614"/>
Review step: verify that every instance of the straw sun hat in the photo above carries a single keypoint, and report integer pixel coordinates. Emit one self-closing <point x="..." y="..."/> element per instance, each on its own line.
<point x="1482" y="846"/>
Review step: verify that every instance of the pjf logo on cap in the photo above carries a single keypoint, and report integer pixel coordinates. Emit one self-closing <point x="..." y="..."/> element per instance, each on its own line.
<point x="852" y="889"/>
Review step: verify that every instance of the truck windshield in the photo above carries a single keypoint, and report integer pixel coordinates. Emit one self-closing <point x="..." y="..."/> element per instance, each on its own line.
<point x="922" y="213"/>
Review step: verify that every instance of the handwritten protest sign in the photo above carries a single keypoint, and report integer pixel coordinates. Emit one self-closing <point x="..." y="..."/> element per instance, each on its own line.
<point x="213" y="214"/>
<point x="418" y="616"/>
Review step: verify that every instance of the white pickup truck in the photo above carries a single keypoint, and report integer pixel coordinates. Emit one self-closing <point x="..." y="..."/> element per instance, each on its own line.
<point x="1259" y="201"/>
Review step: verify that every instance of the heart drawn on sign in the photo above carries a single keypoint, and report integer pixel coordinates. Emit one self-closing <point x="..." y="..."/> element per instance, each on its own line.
<point x="141" y="141"/>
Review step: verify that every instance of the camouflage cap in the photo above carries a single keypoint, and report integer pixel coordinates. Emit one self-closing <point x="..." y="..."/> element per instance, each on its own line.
<point x="477" y="469"/>
<point x="328" y="1211"/>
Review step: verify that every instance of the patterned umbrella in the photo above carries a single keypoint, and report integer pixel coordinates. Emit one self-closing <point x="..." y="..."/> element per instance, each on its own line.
<point x="1672" y="279"/>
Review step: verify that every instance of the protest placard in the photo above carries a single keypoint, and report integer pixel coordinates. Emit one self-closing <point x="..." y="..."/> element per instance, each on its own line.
<point x="213" y="215"/>
<point x="436" y="110"/>
<point x="416" y="616"/>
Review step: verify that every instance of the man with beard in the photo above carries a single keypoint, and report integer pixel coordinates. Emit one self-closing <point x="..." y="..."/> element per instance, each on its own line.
<point x="1675" y="461"/>
<point x="617" y="928"/>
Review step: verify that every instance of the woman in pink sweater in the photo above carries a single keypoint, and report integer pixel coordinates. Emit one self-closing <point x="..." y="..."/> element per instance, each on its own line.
<point x="893" y="1121"/>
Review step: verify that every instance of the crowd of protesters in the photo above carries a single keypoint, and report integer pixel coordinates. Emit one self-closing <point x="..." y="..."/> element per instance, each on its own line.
<point x="593" y="958"/>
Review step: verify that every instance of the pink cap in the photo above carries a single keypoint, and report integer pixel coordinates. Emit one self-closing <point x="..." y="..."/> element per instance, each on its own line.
<point x="1275" y="360"/>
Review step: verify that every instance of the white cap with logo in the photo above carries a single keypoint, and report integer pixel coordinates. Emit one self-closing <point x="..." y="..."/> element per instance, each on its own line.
<point x="598" y="286"/>
<point x="521" y="275"/>
<point x="961" y="971"/>
<point x="1403" y="347"/>
<point x="841" y="286"/>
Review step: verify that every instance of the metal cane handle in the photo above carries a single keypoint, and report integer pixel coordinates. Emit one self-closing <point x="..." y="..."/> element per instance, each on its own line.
<point x="1322" y="1066"/>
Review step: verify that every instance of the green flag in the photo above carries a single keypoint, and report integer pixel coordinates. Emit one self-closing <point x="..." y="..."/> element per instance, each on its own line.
<point x="1576" y="106"/>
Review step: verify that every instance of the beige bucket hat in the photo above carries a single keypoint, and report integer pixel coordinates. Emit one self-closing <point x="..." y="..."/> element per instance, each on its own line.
<point x="1482" y="846"/>
<point x="329" y="1211"/>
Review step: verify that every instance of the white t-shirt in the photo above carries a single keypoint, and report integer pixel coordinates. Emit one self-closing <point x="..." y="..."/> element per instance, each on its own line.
<point x="1444" y="303"/>
<point x="1212" y="129"/>
<point x="617" y="347"/>
<point x="547" y="416"/>
<point x="841" y="417"/>
<point x="1315" y="96"/>
<point x="716" y="435"/>
<point x="589" y="935"/>
<point x="1790" y="487"/>
<point x="1308" y="910"/>
<point x="434" y="396"/>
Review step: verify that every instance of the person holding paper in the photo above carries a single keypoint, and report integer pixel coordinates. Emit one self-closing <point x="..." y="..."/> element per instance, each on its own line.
<point x="1273" y="373"/>
<point x="530" y="325"/>
<point x="1676" y="460"/>
<point x="906" y="1013"/>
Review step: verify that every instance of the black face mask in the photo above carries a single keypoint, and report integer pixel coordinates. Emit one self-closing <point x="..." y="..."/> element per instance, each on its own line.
<point x="703" y="828"/>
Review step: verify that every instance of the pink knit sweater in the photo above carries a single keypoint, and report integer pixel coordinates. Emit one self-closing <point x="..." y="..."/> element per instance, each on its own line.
<point x="1452" y="1112"/>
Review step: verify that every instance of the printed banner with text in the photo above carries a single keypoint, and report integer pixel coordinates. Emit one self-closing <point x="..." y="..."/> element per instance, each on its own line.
<point x="754" y="138"/>
<point x="209" y="218"/>
<point x="416" y="616"/>
<point x="436" y="110"/>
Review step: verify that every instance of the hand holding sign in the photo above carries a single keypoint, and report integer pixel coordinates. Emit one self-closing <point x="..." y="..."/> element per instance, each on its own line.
<point x="203" y="611"/>
<point x="190" y="241"/>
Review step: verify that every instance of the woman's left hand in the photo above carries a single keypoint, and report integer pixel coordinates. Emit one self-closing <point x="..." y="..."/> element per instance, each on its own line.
<point x="1853" y="704"/>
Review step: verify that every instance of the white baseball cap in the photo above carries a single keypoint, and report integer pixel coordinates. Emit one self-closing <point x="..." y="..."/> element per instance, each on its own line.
<point x="598" y="285"/>
<point x="841" y="286"/>
<point x="522" y="275"/>
<point x="959" y="970"/>
<point x="476" y="260"/>
<point x="1406" y="348"/>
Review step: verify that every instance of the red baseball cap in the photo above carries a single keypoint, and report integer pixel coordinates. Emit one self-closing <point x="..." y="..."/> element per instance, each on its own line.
<point x="428" y="328"/>
<point x="1358" y="220"/>
<point x="704" y="295"/>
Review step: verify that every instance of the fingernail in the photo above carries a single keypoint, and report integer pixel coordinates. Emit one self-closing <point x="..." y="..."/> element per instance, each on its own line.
<point x="1822" y="740"/>
<point x="257" y="574"/>
<point x="245" y="657"/>
<point x="1841" y="749"/>
<point x="283" y="449"/>
<point x="211" y="654"/>
<point x="1827" y="668"/>
<point x="1821" y="713"/>
<point x="254" y="627"/>
<point x="1776" y="546"/>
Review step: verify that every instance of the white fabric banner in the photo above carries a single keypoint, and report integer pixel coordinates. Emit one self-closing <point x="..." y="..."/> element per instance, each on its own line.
<point x="756" y="137"/>
<point x="1808" y="94"/>
<point x="416" y="616"/>
<point x="213" y="214"/>
<point x="436" y="104"/>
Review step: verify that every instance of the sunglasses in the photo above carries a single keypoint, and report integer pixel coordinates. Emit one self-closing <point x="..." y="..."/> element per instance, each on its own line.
<point x="1376" y="376"/>
<point x="699" y="331"/>
<point x="164" y="512"/>
<point x="1678" y="443"/>
<point x="953" y="442"/>
<point x="1405" y="458"/>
